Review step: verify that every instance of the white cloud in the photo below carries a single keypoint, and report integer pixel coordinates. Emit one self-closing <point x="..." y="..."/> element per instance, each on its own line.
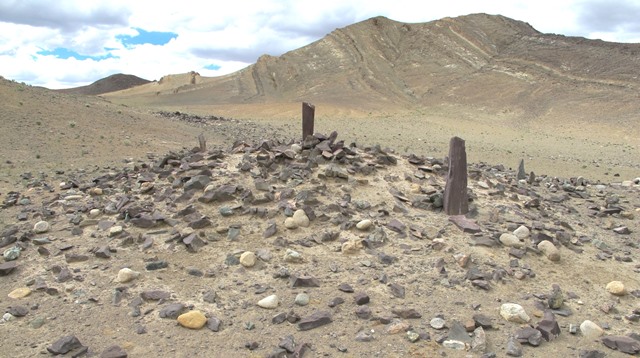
<point x="236" y="34"/>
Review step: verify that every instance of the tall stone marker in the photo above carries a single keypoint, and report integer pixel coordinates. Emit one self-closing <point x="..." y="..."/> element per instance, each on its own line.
<point x="308" y="113"/>
<point x="456" y="201"/>
<point x="521" y="173"/>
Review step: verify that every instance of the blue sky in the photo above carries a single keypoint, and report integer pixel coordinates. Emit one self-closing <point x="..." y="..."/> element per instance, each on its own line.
<point x="69" y="43"/>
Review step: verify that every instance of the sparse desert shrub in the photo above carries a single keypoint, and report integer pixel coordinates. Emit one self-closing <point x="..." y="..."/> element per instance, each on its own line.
<point x="72" y="124"/>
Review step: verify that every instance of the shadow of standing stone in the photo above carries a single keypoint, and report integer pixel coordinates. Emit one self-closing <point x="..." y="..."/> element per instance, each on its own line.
<point x="456" y="201"/>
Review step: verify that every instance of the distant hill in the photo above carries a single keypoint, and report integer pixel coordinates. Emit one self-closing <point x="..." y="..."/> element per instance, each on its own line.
<point x="476" y="62"/>
<point x="112" y="83"/>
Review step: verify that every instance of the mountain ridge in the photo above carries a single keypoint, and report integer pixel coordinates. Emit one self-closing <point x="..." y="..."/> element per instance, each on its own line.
<point x="477" y="61"/>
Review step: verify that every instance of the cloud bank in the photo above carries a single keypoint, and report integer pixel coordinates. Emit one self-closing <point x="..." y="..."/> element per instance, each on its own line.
<point x="70" y="43"/>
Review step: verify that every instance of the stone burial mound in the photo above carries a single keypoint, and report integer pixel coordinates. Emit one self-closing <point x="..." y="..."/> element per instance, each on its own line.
<point x="316" y="248"/>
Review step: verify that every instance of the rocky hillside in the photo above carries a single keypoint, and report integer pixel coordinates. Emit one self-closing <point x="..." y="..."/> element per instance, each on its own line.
<point x="480" y="61"/>
<point x="112" y="83"/>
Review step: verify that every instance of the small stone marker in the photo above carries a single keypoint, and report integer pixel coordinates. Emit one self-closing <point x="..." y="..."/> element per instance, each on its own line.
<point x="456" y="201"/>
<point x="202" y="143"/>
<point x="521" y="173"/>
<point x="308" y="113"/>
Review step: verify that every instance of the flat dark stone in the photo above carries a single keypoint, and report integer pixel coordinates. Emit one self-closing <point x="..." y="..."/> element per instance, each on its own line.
<point x="464" y="224"/>
<point x="200" y="223"/>
<point x="64" y="345"/>
<point x="7" y="267"/>
<point x="314" y="320"/>
<point x="72" y="258"/>
<point x="622" y="343"/>
<point x="548" y="327"/>
<point x="397" y="290"/>
<point x="144" y="221"/>
<point x="361" y="298"/>
<point x="457" y="332"/>
<point x="304" y="281"/>
<point x="345" y="287"/>
<point x="529" y="335"/>
<point x="172" y="310"/>
<point x="103" y="252"/>
<point x="484" y="241"/>
<point x="483" y="321"/>
<point x="406" y="313"/>
<point x="514" y="348"/>
<point x="18" y="311"/>
<point x="396" y="225"/>
<point x="214" y="324"/>
<point x="193" y="242"/>
<point x="157" y="265"/>
<point x="591" y="354"/>
<point x="155" y="295"/>
<point x="114" y="352"/>
<point x="287" y="343"/>
<point x="270" y="231"/>
<point x="363" y="312"/>
<point x="336" y="301"/>
<point x="279" y="318"/>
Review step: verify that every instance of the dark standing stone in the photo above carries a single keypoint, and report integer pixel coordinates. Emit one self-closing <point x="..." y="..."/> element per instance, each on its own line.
<point x="7" y="267"/>
<point x="114" y="352"/>
<point x="549" y="327"/>
<point x="456" y="201"/>
<point x="202" y="143"/>
<point x="361" y="298"/>
<point x="308" y="113"/>
<point x="64" y="345"/>
<point x="314" y="320"/>
<point x="522" y="174"/>
<point x="622" y="343"/>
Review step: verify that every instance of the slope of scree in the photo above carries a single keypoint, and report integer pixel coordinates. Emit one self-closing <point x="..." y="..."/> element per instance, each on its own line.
<point x="316" y="249"/>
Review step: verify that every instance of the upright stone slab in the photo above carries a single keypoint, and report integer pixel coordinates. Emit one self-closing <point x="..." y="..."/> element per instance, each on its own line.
<point x="456" y="201"/>
<point x="521" y="173"/>
<point x="308" y="113"/>
<point x="202" y="143"/>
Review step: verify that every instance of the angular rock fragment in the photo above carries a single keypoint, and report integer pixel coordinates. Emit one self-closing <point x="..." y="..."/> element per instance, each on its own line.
<point x="315" y="320"/>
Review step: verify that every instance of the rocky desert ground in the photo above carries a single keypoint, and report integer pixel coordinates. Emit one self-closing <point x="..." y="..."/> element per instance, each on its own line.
<point x="123" y="235"/>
